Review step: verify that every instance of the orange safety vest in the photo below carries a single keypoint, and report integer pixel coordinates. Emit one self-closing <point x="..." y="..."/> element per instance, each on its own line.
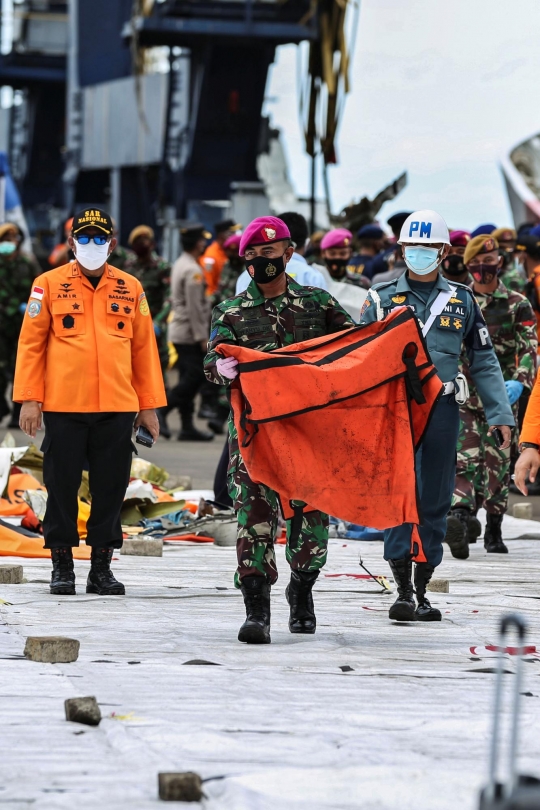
<point x="335" y="422"/>
<point x="86" y="350"/>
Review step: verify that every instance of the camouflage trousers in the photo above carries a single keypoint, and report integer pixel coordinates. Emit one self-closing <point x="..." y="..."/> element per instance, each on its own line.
<point x="257" y="511"/>
<point x="483" y="470"/>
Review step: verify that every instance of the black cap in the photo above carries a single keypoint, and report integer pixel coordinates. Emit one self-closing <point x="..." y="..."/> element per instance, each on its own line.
<point x="93" y="218"/>
<point x="529" y="244"/>
<point x="396" y="220"/>
<point x="195" y="230"/>
<point x="226" y="225"/>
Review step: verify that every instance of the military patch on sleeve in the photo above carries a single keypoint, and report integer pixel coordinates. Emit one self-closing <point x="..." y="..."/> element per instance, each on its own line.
<point x="143" y="305"/>
<point x="213" y="334"/>
<point x="33" y="309"/>
<point x="197" y="278"/>
<point x="365" y="305"/>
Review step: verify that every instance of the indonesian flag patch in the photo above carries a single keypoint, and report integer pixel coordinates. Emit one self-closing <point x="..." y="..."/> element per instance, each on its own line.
<point x="37" y="292"/>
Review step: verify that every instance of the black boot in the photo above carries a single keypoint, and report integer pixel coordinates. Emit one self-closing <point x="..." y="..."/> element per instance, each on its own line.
<point x="298" y="594"/>
<point x="190" y="433"/>
<point x="404" y="608"/>
<point x="456" y="532"/>
<point x="493" y="542"/>
<point x="422" y="576"/>
<point x="101" y="579"/>
<point x="256" y="628"/>
<point x="218" y="422"/>
<point x="63" y="575"/>
<point x="164" y="429"/>
<point x="474" y="529"/>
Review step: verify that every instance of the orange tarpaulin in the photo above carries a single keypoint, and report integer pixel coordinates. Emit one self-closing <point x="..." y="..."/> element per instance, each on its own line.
<point x="16" y="543"/>
<point x="334" y="422"/>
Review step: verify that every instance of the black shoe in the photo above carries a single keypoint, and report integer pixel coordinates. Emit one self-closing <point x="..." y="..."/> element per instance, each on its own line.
<point x="256" y="628"/>
<point x="63" y="575"/>
<point x="493" y="542"/>
<point x="217" y="426"/>
<point x="207" y="411"/>
<point x="101" y="579"/>
<point x="404" y="608"/>
<point x="474" y="529"/>
<point x="298" y="594"/>
<point x="422" y="576"/>
<point x="190" y="433"/>
<point x="164" y="429"/>
<point x="456" y="533"/>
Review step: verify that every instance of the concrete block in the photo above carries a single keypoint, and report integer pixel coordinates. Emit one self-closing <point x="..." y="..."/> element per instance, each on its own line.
<point x="523" y="510"/>
<point x="180" y="787"/>
<point x="439" y="586"/>
<point x="143" y="546"/>
<point x="52" y="649"/>
<point x="83" y="710"/>
<point x="11" y="574"/>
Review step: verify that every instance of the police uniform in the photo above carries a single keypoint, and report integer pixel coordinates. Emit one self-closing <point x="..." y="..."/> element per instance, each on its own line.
<point x="88" y="354"/>
<point x="460" y="323"/>
<point x="188" y="329"/>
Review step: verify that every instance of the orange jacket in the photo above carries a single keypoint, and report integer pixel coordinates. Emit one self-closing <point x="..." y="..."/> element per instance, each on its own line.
<point x="334" y="422"/>
<point x="86" y="350"/>
<point x="212" y="262"/>
<point x="530" y="431"/>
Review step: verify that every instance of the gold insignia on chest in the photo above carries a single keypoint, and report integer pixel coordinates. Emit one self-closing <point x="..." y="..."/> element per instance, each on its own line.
<point x="445" y="321"/>
<point x="457" y="323"/>
<point x="455" y="301"/>
<point x="399" y="299"/>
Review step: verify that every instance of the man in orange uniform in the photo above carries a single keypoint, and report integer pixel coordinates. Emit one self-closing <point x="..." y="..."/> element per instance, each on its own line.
<point x="88" y="360"/>
<point x="214" y="258"/>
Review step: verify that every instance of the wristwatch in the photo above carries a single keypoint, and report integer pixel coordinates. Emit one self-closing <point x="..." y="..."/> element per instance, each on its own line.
<point x="524" y="445"/>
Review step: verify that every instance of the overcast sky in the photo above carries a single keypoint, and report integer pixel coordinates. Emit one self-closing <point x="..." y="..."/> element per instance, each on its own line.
<point x="441" y="89"/>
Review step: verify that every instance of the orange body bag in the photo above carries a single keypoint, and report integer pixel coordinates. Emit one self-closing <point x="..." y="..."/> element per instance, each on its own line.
<point x="335" y="422"/>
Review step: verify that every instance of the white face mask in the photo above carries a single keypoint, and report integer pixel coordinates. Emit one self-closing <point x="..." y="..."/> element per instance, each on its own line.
<point x="91" y="256"/>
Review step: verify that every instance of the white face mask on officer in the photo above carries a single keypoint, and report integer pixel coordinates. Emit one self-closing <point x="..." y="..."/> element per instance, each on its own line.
<point x="91" y="256"/>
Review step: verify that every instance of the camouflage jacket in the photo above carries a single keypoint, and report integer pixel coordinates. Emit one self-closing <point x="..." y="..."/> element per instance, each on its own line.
<point x="264" y="324"/>
<point x="16" y="276"/>
<point x="514" y="279"/>
<point x="227" y="283"/>
<point x="512" y="329"/>
<point x="154" y="275"/>
<point x="120" y="256"/>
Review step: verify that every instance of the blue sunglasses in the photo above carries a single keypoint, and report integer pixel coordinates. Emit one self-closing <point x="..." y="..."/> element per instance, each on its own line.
<point x="85" y="240"/>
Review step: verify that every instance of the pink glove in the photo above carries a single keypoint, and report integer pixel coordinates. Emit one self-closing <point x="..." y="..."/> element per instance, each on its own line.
<point x="227" y="367"/>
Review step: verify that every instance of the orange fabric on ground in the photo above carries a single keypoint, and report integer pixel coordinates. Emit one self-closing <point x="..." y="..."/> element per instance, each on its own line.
<point x="334" y="422"/>
<point x="16" y="544"/>
<point x="86" y="350"/>
<point x="212" y="269"/>
<point x="13" y="503"/>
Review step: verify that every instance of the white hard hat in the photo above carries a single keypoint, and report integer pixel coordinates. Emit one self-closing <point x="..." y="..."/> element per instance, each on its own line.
<point x="424" y="228"/>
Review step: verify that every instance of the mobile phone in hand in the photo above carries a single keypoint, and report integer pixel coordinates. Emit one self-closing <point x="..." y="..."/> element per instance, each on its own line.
<point x="497" y="437"/>
<point x="143" y="436"/>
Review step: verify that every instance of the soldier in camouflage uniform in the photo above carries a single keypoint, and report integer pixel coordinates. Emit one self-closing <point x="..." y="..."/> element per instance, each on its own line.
<point x="511" y="272"/>
<point x="17" y="273"/>
<point x="274" y="311"/>
<point x="483" y="469"/>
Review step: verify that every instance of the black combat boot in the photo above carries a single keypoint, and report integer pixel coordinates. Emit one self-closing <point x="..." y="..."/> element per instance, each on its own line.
<point x="190" y="433"/>
<point x="63" y="575"/>
<point x="218" y="422"/>
<point x="457" y="525"/>
<point x="493" y="542"/>
<point x="474" y="529"/>
<point x="422" y="576"/>
<point x="298" y="594"/>
<point x="404" y="608"/>
<point x="256" y="628"/>
<point x="101" y="579"/>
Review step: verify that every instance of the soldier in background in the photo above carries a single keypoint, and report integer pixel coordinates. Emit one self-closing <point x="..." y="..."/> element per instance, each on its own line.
<point x="17" y="272"/>
<point x="511" y="273"/>
<point x="145" y="264"/>
<point x="371" y="242"/>
<point x="231" y="271"/>
<point x="453" y="267"/>
<point x="483" y="469"/>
